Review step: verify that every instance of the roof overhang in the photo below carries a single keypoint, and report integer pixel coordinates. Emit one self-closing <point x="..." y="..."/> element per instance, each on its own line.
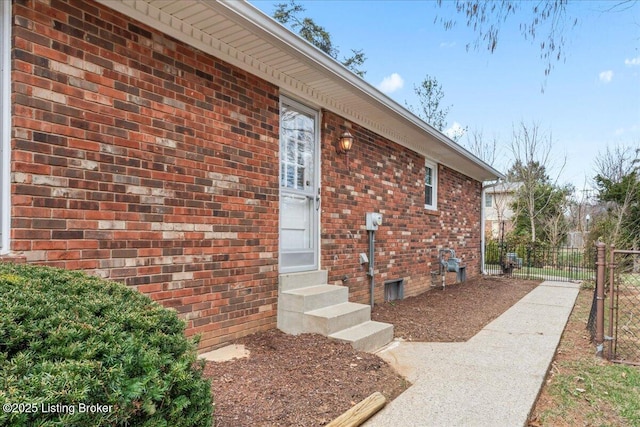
<point x="242" y="35"/>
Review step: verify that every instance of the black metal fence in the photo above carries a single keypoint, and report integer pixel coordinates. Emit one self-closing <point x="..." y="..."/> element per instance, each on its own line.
<point x="539" y="261"/>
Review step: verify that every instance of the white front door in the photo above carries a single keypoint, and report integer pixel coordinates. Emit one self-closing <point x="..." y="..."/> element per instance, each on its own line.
<point x="299" y="196"/>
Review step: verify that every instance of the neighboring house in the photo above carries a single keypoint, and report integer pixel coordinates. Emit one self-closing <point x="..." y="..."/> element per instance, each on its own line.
<point x="498" y="211"/>
<point x="188" y="149"/>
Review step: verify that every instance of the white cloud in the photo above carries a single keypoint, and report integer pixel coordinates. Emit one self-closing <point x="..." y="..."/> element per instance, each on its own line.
<point x="633" y="61"/>
<point x="455" y="132"/>
<point x="606" y="76"/>
<point x="391" y="83"/>
<point x="625" y="131"/>
<point x="447" y="45"/>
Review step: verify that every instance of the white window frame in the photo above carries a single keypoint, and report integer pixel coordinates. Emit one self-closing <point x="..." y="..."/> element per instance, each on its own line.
<point x="5" y="124"/>
<point x="434" y="184"/>
<point x="488" y="200"/>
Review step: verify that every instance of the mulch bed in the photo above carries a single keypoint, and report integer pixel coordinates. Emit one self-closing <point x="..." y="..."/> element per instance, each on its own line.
<point x="308" y="380"/>
<point x="455" y="313"/>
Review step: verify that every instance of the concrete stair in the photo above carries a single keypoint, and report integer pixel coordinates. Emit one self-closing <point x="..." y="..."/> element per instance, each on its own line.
<point x="306" y="304"/>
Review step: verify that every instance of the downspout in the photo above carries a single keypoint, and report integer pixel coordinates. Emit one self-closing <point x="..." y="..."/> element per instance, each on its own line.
<point x="483" y="207"/>
<point x="372" y="249"/>
<point x="5" y="126"/>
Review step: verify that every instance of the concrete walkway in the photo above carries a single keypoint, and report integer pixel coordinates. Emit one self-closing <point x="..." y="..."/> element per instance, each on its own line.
<point x="491" y="380"/>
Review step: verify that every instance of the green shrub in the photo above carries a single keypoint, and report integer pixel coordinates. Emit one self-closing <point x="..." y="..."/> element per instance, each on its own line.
<point x="493" y="252"/>
<point x="68" y="340"/>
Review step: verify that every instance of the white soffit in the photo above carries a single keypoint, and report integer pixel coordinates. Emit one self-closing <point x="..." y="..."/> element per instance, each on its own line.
<point x="240" y="34"/>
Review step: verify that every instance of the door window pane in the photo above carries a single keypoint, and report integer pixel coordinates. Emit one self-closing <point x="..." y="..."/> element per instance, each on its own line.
<point x="297" y="145"/>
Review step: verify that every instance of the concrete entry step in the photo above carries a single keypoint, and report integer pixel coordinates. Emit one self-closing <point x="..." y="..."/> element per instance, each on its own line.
<point x="329" y="320"/>
<point x="307" y="304"/>
<point x="305" y="279"/>
<point x="313" y="297"/>
<point x="368" y="336"/>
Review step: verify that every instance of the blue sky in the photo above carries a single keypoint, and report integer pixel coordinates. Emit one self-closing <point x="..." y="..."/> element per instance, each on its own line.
<point x="591" y="99"/>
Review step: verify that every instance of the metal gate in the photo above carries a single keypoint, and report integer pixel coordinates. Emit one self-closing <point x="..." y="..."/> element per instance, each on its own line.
<point x="618" y="327"/>
<point x="539" y="261"/>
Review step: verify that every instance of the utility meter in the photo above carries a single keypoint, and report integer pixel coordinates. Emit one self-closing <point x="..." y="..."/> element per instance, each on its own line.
<point x="373" y="220"/>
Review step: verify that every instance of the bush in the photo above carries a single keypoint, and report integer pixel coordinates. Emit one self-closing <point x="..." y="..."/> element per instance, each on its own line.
<point x="493" y="252"/>
<point x="68" y="340"/>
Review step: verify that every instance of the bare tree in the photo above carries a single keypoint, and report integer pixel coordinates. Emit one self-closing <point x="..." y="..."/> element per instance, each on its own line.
<point x="548" y="20"/>
<point x="556" y="226"/>
<point x="615" y="163"/>
<point x="484" y="148"/>
<point x="532" y="151"/>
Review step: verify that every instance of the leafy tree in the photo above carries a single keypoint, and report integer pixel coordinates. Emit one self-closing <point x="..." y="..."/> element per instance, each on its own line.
<point x="289" y="14"/>
<point x="619" y="188"/>
<point x="430" y="96"/>
<point x="549" y="221"/>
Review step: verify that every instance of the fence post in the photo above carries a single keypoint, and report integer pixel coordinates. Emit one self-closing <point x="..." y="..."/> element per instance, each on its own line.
<point x="601" y="264"/>
<point x="612" y="270"/>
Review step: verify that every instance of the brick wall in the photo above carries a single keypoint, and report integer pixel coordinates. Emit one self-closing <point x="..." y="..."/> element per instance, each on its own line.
<point x="381" y="176"/>
<point x="143" y="160"/>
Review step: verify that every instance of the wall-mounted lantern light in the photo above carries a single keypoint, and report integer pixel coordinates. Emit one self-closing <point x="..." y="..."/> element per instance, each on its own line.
<point x="345" y="143"/>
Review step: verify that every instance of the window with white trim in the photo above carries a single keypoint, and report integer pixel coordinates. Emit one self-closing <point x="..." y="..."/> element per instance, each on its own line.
<point x="5" y="123"/>
<point x="430" y="185"/>
<point x="488" y="200"/>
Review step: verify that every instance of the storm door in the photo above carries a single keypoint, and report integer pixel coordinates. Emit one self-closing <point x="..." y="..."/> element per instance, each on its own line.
<point x="299" y="196"/>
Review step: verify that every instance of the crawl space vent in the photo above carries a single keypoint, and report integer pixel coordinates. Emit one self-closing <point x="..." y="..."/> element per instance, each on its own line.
<point x="394" y="290"/>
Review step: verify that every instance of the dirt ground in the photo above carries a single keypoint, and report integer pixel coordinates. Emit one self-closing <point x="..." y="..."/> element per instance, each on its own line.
<point x="308" y="380"/>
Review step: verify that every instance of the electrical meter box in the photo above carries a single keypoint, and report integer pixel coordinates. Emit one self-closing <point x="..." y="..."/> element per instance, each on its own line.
<point x="373" y="220"/>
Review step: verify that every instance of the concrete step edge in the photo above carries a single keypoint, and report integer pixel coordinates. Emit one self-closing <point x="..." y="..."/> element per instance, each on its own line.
<point x="312" y="298"/>
<point x="338" y="310"/>
<point x="368" y="336"/>
<point x="329" y="320"/>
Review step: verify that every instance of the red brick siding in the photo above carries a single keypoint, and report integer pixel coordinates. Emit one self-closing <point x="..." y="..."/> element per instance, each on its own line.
<point x="140" y="159"/>
<point x="381" y="176"/>
<point x="143" y="160"/>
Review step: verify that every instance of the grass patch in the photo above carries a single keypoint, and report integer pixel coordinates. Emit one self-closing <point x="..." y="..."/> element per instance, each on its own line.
<point x="582" y="389"/>
<point x="603" y="388"/>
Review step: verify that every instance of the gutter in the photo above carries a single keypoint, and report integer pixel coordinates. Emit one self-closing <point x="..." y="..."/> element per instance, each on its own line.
<point x="249" y="17"/>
